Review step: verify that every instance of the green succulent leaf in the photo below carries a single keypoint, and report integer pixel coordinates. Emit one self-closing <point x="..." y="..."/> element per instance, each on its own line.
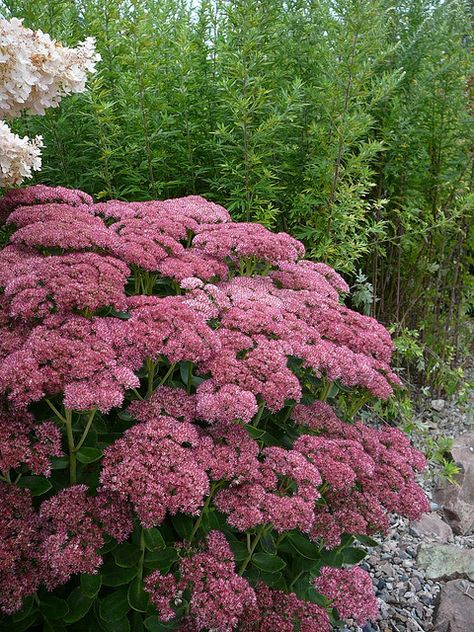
<point x="113" y="575"/>
<point x="115" y="606"/>
<point x="53" y="607"/>
<point x="137" y="597"/>
<point x="153" y="539"/>
<point x="88" y="455"/>
<point x="126" y="555"/>
<point x="38" y="485"/>
<point x="353" y="555"/>
<point x="79" y="605"/>
<point x="90" y="584"/>
<point x="268" y="562"/>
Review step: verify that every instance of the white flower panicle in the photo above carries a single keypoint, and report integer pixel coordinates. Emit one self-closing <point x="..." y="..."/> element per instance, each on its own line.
<point x="36" y="72"/>
<point x="18" y="156"/>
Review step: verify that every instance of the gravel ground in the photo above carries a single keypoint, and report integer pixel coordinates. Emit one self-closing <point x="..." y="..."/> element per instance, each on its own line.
<point x="406" y="597"/>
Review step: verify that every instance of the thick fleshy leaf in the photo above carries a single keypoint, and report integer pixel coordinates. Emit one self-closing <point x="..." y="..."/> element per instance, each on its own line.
<point x="53" y="607"/>
<point x="90" y="584"/>
<point x="268" y="562"/>
<point x="79" y="605"/>
<point x="115" y="606"/>
<point x="37" y="485"/>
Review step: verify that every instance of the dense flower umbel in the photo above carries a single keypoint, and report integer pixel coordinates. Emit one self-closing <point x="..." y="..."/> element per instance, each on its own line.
<point x="283" y="493"/>
<point x="19" y="539"/>
<point x="350" y="591"/>
<point x="49" y="545"/>
<point x="172" y="478"/>
<point x="80" y="281"/>
<point x="41" y="194"/>
<point x="71" y="538"/>
<point x="295" y="311"/>
<point x="276" y="610"/>
<point x="211" y="335"/>
<point x="219" y="596"/>
<point x="370" y="472"/>
<point x="24" y="441"/>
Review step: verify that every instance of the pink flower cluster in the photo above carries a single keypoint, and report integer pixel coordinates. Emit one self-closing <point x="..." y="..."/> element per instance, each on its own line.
<point x="24" y="441"/>
<point x="159" y="466"/>
<point x="238" y="241"/>
<point x="60" y="539"/>
<point x="283" y="493"/>
<point x="75" y="282"/>
<point x="20" y="574"/>
<point x="68" y="256"/>
<point x="277" y="610"/>
<point x="219" y="597"/>
<point x="81" y="357"/>
<point x="370" y="472"/>
<point x="367" y="472"/>
<point x="364" y="472"/>
<point x="70" y="536"/>
<point x="41" y="194"/>
<point x="350" y="591"/>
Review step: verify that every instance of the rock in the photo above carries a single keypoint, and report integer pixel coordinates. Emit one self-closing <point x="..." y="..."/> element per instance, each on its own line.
<point x="432" y="524"/>
<point x="458" y="500"/>
<point x="387" y="569"/>
<point x="455" y="608"/>
<point x="416" y="584"/>
<point x="445" y="561"/>
<point x="438" y="404"/>
<point x="426" y="599"/>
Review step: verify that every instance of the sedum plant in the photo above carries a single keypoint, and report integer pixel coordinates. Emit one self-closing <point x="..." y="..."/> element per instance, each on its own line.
<point x="179" y="441"/>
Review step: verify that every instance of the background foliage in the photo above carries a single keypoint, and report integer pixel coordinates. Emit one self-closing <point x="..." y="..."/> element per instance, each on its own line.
<point x="345" y="122"/>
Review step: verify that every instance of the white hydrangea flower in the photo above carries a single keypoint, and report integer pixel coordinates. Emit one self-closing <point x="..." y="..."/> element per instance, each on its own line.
<point x="18" y="156"/>
<point x="36" y="72"/>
